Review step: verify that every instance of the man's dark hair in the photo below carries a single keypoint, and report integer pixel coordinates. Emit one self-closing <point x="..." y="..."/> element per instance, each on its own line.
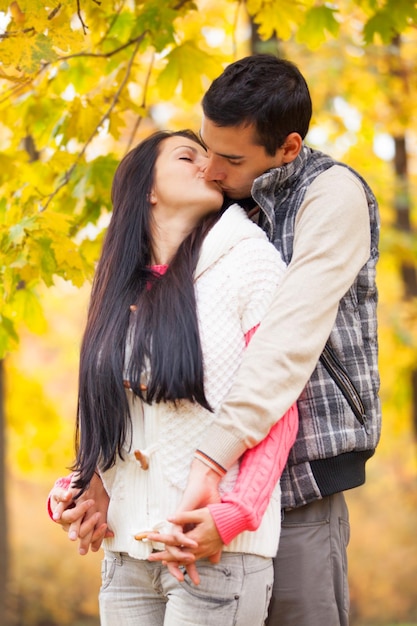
<point x="263" y="90"/>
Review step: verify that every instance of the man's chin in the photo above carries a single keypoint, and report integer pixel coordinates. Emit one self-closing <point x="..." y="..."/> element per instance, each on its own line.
<point x="235" y="195"/>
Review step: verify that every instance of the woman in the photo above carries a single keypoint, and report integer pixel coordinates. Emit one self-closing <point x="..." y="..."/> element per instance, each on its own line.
<point x="179" y="288"/>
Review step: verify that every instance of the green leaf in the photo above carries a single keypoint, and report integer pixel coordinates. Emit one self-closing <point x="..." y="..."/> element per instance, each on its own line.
<point x="275" y="17"/>
<point x="27" y="308"/>
<point x="18" y="231"/>
<point x="319" y="22"/>
<point x="157" y="18"/>
<point x="379" y="25"/>
<point x="390" y="20"/>
<point x="186" y="65"/>
<point x="42" y="51"/>
<point x="8" y="336"/>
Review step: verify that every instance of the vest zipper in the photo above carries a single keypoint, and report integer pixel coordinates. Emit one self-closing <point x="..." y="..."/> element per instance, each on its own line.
<point x="346" y="386"/>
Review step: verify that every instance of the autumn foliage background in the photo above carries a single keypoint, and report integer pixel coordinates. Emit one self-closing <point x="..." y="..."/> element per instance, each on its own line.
<point x="81" y="81"/>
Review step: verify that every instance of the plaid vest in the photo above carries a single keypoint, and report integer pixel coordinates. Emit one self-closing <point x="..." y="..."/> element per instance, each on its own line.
<point x="339" y="409"/>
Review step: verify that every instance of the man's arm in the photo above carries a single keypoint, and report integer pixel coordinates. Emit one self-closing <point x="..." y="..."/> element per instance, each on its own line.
<point x="241" y="509"/>
<point x="331" y="245"/>
<point x="261" y="468"/>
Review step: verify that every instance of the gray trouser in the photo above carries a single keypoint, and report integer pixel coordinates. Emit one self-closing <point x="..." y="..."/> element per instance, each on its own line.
<point x="136" y="592"/>
<point x="310" y="586"/>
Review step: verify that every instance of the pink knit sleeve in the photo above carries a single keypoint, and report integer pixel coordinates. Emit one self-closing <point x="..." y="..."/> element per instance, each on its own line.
<point x="260" y="469"/>
<point x="64" y="483"/>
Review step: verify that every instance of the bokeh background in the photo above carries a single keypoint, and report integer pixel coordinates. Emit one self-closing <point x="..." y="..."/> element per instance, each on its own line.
<point x="80" y="83"/>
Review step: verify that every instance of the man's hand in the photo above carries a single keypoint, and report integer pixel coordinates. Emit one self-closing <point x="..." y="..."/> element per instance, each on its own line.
<point x="84" y="518"/>
<point x="184" y="548"/>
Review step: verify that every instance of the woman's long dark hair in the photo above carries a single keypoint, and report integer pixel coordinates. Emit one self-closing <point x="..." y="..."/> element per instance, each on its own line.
<point x="164" y="327"/>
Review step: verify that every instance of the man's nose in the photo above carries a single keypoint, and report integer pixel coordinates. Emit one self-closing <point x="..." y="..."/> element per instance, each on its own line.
<point x="212" y="171"/>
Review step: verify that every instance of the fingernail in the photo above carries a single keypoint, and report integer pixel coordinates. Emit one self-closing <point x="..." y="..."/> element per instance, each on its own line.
<point x="73" y="535"/>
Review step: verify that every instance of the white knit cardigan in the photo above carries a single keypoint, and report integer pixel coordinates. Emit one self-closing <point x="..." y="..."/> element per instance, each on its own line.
<point x="235" y="277"/>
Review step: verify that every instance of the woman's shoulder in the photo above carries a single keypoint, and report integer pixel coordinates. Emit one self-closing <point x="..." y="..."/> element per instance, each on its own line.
<point x="256" y="251"/>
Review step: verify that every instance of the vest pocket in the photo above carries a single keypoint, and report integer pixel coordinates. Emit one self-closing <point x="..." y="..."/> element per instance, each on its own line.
<point x="340" y="376"/>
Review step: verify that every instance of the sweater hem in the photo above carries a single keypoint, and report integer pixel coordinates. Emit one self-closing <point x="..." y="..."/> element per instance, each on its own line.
<point x="340" y="473"/>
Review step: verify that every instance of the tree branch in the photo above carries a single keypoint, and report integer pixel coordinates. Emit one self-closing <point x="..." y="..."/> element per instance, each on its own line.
<point x="103" y="55"/>
<point x="27" y="81"/>
<point x="16" y="33"/>
<point x="54" y="12"/>
<point x="83" y="24"/>
<point x="70" y="171"/>
<point x="143" y="105"/>
<point x="113" y="21"/>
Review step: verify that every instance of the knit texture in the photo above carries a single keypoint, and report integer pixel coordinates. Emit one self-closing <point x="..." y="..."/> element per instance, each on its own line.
<point x="235" y="278"/>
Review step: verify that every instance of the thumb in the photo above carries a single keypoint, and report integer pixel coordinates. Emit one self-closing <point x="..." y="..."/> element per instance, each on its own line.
<point x="185" y="517"/>
<point x="215" y="558"/>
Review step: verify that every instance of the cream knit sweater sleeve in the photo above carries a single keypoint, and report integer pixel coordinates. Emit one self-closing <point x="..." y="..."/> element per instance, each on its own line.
<point x="331" y="244"/>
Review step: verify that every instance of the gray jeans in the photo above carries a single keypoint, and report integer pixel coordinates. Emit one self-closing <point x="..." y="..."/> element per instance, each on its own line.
<point x="310" y="585"/>
<point x="234" y="592"/>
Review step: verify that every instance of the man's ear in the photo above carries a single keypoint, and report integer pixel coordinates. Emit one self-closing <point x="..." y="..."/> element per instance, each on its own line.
<point x="292" y="147"/>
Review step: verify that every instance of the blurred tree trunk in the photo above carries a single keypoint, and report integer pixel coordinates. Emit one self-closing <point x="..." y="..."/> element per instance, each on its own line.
<point x="402" y="205"/>
<point x="4" y="557"/>
<point x="402" y="202"/>
<point x="259" y="46"/>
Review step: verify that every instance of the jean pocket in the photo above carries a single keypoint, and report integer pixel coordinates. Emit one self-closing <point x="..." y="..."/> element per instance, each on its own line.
<point x="108" y="567"/>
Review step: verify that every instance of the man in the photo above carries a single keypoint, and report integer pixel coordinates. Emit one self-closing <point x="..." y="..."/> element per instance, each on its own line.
<point x="324" y="219"/>
<point x="318" y="342"/>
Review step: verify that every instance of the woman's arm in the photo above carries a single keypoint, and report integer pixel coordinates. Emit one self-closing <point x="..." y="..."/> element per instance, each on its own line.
<point x="260" y="469"/>
<point x="239" y="510"/>
<point x="242" y="508"/>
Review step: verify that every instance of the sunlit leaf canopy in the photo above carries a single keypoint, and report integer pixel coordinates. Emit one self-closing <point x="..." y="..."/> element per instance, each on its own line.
<point x="82" y="81"/>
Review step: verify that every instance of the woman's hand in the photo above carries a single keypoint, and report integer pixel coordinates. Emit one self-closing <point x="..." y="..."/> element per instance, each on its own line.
<point x="194" y="535"/>
<point x="185" y="547"/>
<point x="83" y="517"/>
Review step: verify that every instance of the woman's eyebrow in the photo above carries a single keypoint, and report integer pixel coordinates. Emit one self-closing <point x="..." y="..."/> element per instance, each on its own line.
<point x="186" y="146"/>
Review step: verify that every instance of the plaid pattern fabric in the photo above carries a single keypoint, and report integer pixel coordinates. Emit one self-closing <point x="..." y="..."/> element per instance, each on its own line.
<point x="328" y="426"/>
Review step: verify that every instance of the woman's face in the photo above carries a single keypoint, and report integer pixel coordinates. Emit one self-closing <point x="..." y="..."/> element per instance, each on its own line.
<point x="179" y="182"/>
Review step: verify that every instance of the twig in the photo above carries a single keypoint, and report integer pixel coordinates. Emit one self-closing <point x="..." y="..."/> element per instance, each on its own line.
<point x="180" y="4"/>
<point x="16" y="33"/>
<point x="17" y="86"/>
<point x="112" y="23"/>
<point x="68" y="173"/>
<point x="143" y="105"/>
<point x="66" y="58"/>
<point x="103" y="55"/>
<point x="83" y="24"/>
<point x="54" y="12"/>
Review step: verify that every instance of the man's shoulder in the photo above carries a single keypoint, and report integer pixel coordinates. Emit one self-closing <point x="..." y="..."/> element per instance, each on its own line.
<point x="338" y="178"/>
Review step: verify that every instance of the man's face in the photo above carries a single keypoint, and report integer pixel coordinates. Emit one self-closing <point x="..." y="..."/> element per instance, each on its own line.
<point x="234" y="159"/>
